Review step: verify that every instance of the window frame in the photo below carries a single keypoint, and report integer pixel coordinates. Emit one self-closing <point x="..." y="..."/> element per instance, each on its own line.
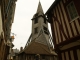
<point x="75" y="17"/>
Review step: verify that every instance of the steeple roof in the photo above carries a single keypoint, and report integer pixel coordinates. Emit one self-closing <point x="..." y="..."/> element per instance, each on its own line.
<point x="39" y="9"/>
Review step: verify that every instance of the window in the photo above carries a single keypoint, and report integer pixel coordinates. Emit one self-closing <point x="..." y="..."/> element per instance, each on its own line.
<point x="36" y="30"/>
<point x="45" y="30"/>
<point x="72" y="11"/>
<point x="36" y="20"/>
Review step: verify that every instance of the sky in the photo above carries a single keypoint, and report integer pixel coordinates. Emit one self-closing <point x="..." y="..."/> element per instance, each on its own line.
<point x="22" y="25"/>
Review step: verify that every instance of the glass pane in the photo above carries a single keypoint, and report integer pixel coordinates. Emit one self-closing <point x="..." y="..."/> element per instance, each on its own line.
<point x="72" y="10"/>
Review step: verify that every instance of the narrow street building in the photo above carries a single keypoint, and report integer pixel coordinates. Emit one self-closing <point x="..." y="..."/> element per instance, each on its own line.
<point x="64" y="17"/>
<point x="7" y="10"/>
<point x="39" y="45"/>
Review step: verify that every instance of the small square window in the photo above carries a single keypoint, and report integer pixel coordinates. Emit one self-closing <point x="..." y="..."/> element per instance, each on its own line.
<point x="36" y="30"/>
<point x="72" y="11"/>
<point x="36" y="20"/>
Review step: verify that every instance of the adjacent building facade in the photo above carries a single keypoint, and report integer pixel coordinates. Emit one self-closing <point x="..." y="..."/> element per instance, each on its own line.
<point x="64" y="17"/>
<point x="7" y="9"/>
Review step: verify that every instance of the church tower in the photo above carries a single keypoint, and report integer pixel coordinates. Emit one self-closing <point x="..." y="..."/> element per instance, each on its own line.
<point x="39" y="42"/>
<point x="38" y="46"/>
<point x="40" y="26"/>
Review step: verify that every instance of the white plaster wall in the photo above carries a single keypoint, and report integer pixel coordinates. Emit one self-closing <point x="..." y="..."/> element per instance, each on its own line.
<point x="0" y="21"/>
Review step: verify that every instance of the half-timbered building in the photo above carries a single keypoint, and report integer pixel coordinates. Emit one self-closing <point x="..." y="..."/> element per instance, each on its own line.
<point x="7" y="10"/>
<point x="64" y="17"/>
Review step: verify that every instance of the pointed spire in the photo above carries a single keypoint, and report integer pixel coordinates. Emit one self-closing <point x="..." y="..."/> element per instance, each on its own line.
<point x="39" y="9"/>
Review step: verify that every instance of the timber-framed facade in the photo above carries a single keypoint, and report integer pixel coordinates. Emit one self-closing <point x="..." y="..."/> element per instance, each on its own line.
<point x="7" y="10"/>
<point x="64" y="17"/>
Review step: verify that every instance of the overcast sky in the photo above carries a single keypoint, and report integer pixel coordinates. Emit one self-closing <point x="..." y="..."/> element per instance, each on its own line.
<point x="22" y="25"/>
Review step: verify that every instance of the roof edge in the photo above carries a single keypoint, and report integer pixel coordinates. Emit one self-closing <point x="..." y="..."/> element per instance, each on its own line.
<point x="52" y="6"/>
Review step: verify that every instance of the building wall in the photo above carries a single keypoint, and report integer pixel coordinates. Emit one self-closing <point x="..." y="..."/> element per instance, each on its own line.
<point x="64" y="27"/>
<point x="33" y="57"/>
<point x="65" y="30"/>
<point x="1" y="36"/>
<point x="71" y="53"/>
<point x="7" y="9"/>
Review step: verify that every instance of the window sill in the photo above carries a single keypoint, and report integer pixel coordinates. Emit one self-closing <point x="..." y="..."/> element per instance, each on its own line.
<point x="74" y="19"/>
